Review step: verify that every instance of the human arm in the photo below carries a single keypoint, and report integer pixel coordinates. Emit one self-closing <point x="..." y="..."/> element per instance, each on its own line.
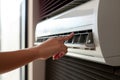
<point x="14" y="59"/>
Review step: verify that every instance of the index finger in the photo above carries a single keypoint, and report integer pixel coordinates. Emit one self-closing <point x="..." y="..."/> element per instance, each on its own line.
<point x="68" y="37"/>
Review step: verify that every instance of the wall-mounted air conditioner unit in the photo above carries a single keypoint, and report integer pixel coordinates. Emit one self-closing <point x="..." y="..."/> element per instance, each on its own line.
<point x="96" y="24"/>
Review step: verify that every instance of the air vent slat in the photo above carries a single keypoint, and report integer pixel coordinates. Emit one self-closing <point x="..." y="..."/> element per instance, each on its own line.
<point x="70" y="68"/>
<point x="49" y="8"/>
<point x="48" y="5"/>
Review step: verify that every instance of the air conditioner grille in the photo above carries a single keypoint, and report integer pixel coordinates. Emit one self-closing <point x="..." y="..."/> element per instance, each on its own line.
<point x="49" y="8"/>
<point x="70" y="68"/>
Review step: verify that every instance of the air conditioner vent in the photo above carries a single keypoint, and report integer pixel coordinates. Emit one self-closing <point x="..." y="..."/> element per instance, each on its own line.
<point x="49" y="8"/>
<point x="81" y="39"/>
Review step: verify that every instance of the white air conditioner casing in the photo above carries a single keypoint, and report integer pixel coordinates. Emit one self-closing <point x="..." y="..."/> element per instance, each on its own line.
<point x="102" y="17"/>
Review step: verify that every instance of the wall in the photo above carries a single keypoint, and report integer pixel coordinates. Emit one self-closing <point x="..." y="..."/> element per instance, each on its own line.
<point x="36" y="68"/>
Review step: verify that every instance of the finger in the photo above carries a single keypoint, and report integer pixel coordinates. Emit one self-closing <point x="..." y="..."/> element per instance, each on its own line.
<point x="55" y="56"/>
<point x="60" y="54"/>
<point x="67" y="37"/>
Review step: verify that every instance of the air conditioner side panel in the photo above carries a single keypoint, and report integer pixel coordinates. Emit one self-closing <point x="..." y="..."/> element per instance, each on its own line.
<point x="109" y="27"/>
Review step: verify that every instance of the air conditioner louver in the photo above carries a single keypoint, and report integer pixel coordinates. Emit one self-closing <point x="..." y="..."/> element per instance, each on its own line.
<point x="82" y="39"/>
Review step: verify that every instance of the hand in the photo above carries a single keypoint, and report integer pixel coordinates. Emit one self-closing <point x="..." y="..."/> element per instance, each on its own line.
<point x="54" y="47"/>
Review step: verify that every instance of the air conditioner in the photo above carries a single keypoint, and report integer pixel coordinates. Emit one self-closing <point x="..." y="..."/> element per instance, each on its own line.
<point x="96" y="24"/>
